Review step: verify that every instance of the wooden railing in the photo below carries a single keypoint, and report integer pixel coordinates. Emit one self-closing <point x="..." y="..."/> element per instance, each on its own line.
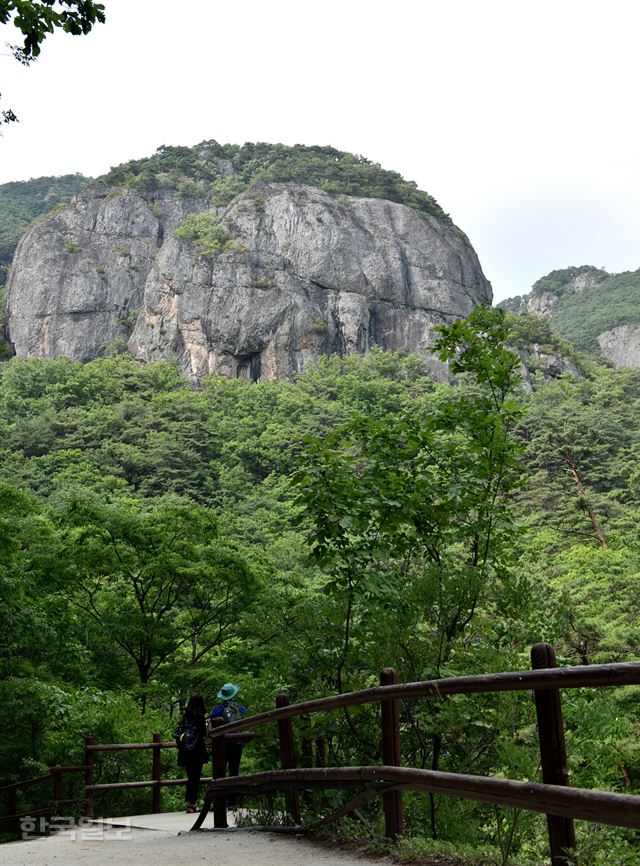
<point x="553" y="797"/>
<point x="55" y="777"/>
<point x="156" y="783"/>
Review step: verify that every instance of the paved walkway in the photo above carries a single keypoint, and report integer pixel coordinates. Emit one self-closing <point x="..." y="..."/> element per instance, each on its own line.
<point x="164" y="840"/>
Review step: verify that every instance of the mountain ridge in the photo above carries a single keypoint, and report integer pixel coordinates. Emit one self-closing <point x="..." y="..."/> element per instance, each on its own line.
<point x="597" y="311"/>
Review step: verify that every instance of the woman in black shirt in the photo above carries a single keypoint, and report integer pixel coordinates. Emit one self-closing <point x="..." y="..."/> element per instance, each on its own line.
<point x="194" y="759"/>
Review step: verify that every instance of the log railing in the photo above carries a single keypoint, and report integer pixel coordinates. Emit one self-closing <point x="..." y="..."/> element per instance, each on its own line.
<point x="55" y="776"/>
<point x="553" y="797"/>
<point x="156" y="783"/>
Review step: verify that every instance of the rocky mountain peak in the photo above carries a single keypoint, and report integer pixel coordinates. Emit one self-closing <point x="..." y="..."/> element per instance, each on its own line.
<point x="257" y="287"/>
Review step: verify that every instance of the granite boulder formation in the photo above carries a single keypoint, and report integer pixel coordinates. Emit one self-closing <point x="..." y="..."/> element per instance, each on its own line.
<point x="300" y="273"/>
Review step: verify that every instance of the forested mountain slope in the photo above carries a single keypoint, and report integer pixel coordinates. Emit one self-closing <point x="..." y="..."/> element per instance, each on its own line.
<point x="596" y="311"/>
<point x="304" y="534"/>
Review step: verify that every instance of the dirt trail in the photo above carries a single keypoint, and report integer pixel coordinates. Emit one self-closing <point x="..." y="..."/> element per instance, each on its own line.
<point x="163" y="840"/>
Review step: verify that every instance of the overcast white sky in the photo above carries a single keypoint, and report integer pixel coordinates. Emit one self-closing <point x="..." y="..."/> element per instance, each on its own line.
<point x="521" y="117"/>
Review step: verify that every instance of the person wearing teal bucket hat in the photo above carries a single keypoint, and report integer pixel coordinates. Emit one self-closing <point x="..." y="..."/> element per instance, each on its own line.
<point x="228" y="692"/>
<point x="229" y="711"/>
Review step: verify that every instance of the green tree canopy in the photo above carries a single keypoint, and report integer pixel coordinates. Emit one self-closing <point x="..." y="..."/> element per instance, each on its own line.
<point x="422" y="498"/>
<point x="156" y="579"/>
<point x="222" y="171"/>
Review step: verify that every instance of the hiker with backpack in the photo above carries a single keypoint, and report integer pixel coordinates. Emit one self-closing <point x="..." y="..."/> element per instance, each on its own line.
<point x="229" y="711"/>
<point x="192" y="753"/>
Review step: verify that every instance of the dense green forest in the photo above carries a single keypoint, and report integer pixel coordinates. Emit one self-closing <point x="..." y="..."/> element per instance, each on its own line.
<point x="222" y="171"/>
<point x="23" y="201"/>
<point x="158" y="538"/>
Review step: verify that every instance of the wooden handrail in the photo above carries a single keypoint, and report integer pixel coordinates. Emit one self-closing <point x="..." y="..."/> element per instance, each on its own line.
<point x="580" y="676"/>
<point x="558" y="801"/>
<point x="554" y="798"/>
<point x="36" y="780"/>
<point x="26" y="783"/>
<point x="56" y="773"/>
<point x="127" y="747"/>
<point x="622" y="810"/>
<point x="149" y="783"/>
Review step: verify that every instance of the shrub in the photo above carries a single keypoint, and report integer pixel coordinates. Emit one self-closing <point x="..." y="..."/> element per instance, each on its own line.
<point x="208" y="235"/>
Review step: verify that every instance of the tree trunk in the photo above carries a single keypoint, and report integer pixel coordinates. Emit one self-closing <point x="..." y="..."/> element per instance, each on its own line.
<point x="588" y="509"/>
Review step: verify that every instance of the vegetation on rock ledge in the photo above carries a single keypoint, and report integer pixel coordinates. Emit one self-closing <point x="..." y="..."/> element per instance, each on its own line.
<point x="207" y="235"/>
<point x="220" y="172"/>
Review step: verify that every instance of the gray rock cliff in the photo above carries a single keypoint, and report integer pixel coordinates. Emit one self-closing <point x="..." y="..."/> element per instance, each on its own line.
<point x="621" y="345"/>
<point x="305" y="274"/>
<point x="552" y="365"/>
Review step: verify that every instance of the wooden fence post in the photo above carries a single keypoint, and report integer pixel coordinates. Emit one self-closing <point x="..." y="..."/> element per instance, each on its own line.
<point x="553" y="753"/>
<point x="57" y="786"/>
<point x="218" y="763"/>
<point x="306" y="754"/>
<point x="391" y="800"/>
<point x="88" y="776"/>
<point x="12" y="807"/>
<point x="288" y="758"/>
<point x="156" y="791"/>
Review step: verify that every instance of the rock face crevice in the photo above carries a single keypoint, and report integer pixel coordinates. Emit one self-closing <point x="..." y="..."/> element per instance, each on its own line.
<point x="308" y="274"/>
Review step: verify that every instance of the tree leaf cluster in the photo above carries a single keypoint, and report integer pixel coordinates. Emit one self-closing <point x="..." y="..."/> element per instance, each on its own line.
<point x="36" y="19"/>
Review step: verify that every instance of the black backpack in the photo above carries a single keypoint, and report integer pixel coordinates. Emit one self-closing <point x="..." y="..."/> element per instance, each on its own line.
<point x="186" y="737"/>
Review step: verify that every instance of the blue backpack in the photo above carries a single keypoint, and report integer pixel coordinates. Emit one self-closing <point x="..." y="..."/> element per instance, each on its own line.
<point x="228" y="711"/>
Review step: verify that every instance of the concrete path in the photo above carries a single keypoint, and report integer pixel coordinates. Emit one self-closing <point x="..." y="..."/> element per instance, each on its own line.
<point x="164" y="840"/>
